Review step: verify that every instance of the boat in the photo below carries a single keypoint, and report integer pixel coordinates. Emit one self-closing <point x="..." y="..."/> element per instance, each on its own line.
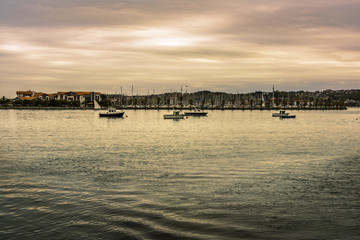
<point x="280" y="114"/>
<point x="196" y="112"/>
<point x="288" y="116"/>
<point x="112" y="113"/>
<point x="175" y="115"/>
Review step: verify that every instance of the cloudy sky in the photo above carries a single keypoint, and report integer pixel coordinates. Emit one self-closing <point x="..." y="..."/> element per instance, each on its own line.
<point x="227" y="45"/>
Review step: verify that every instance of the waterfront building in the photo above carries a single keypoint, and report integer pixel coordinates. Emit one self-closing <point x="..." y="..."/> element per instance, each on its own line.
<point x="28" y="93"/>
<point x="67" y="96"/>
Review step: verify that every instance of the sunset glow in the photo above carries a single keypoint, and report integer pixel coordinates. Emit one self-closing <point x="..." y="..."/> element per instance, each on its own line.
<point x="232" y="46"/>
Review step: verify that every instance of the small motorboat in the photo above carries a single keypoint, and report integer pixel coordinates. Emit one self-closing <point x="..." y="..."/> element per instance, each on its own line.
<point x="288" y="116"/>
<point x="196" y="112"/>
<point x="280" y="114"/>
<point x="112" y="113"/>
<point x="175" y="115"/>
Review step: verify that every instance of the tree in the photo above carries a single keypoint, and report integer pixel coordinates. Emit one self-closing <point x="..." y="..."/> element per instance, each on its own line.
<point x="53" y="103"/>
<point x="26" y="103"/>
<point x="17" y="102"/>
<point x="62" y="103"/>
<point x="4" y="101"/>
<point x="341" y="104"/>
<point x="74" y="104"/>
<point x="45" y="102"/>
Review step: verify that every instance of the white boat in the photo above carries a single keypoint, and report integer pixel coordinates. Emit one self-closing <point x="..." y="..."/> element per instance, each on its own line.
<point x="112" y="113"/>
<point x="175" y="115"/>
<point x="280" y="114"/>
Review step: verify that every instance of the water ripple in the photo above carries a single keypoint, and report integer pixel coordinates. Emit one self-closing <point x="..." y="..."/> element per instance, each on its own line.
<point x="232" y="175"/>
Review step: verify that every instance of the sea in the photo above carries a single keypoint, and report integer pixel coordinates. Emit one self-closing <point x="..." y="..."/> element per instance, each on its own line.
<point x="69" y="174"/>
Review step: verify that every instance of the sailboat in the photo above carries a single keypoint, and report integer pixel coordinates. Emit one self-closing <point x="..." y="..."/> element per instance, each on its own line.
<point x="96" y="105"/>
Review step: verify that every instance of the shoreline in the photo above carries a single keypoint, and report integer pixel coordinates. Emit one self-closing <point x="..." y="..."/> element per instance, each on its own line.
<point x="179" y="108"/>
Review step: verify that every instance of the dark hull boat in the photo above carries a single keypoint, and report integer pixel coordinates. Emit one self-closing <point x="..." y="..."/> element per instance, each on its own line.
<point x="115" y="115"/>
<point x="288" y="116"/>
<point x="112" y="113"/>
<point x="196" y="112"/>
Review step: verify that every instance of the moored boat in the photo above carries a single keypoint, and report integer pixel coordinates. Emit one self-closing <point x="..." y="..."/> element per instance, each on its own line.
<point x="288" y="116"/>
<point x="280" y="114"/>
<point x="113" y="113"/>
<point x="175" y="115"/>
<point x="196" y="112"/>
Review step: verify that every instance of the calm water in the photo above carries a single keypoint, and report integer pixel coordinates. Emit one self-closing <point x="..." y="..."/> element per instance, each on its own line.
<point x="231" y="175"/>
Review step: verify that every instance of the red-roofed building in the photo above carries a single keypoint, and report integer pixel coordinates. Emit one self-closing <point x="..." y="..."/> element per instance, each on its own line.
<point x="28" y="93"/>
<point x="42" y="96"/>
<point x="24" y="98"/>
<point x="77" y="96"/>
<point x="60" y="96"/>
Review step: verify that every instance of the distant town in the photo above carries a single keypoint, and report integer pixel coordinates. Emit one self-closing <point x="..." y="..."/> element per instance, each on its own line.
<point x="327" y="99"/>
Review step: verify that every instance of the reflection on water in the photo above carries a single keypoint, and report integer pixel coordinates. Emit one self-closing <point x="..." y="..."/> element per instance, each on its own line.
<point x="230" y="175"/>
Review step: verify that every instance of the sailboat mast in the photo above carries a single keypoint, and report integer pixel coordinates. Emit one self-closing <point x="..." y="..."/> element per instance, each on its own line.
<point x="273" y="99"/>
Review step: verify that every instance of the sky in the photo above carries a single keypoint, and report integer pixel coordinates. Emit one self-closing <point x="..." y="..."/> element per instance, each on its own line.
<point x="235" y="46"/>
